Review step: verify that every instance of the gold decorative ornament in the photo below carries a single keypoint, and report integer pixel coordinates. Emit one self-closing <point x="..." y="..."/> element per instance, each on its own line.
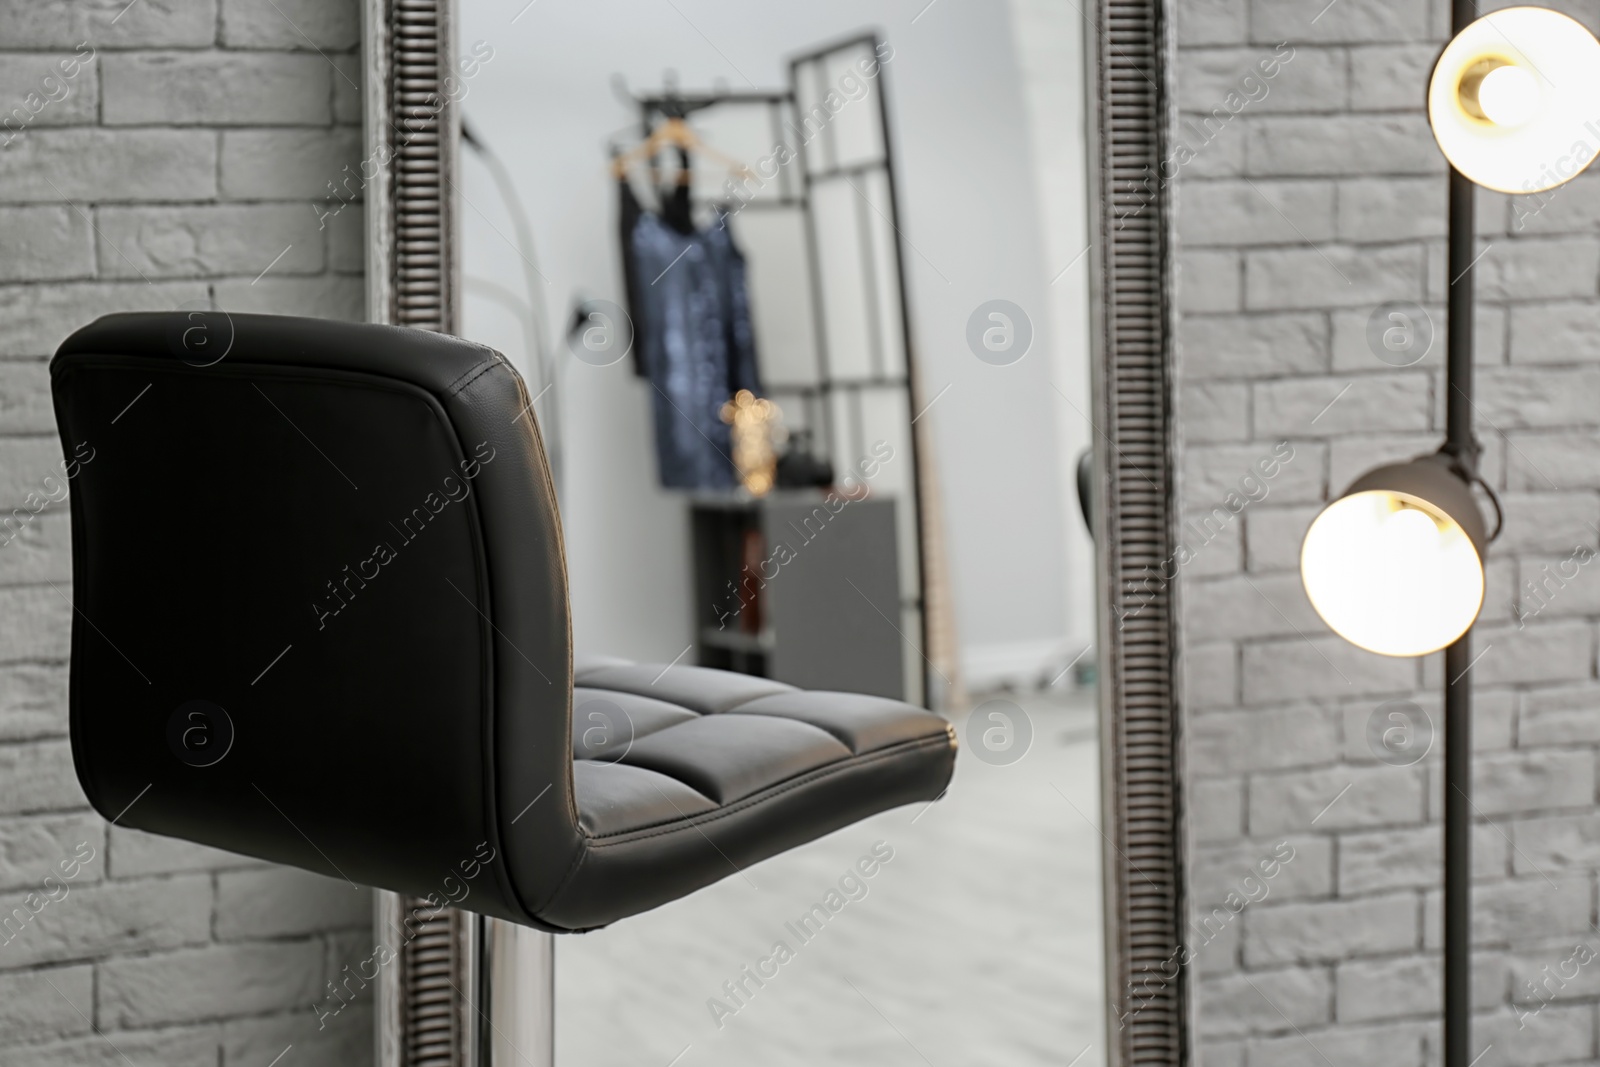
<point x="756" y="424"/>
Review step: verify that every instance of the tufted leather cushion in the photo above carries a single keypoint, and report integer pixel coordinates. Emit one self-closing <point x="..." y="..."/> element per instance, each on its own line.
<point x="719" y="770"/>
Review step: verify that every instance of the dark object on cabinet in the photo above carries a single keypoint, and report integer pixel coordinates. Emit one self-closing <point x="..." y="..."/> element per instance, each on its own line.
<point x="321" y="619"/>
<point x="801" y="468"/>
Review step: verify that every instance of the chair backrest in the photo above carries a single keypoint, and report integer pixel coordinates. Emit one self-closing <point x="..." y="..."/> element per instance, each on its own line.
<point x="320" y="601"/>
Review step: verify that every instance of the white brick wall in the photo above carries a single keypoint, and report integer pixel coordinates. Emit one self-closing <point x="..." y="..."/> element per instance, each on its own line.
<point x="1313" y="205"/>
<point x="178" y="165"/>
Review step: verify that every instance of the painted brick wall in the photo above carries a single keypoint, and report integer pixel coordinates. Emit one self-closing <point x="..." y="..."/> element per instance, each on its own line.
<point x="179" y="164"/>
<point x="1301" y="211"/>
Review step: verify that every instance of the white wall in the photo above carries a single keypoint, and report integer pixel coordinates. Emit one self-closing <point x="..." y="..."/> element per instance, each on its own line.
<point x="1049" y="48"/>
<point x="973" y="225"/>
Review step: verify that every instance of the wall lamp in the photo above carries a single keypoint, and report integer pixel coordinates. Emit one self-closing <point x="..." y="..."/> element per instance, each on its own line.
<point x="1395" y="564"/>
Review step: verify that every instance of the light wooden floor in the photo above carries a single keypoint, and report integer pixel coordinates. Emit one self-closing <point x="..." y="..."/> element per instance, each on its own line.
<point x="978" y="943"/>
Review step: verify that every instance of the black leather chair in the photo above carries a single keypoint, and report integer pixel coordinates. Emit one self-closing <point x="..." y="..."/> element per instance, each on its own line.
<point x="321" y="619"/>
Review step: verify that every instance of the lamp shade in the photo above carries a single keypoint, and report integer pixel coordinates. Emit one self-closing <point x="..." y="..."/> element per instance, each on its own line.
<point x="1514" y="100"/>
<point x="1395" y="565"/>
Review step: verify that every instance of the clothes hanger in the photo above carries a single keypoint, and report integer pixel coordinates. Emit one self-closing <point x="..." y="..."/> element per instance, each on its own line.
<point x="674" y="132"/>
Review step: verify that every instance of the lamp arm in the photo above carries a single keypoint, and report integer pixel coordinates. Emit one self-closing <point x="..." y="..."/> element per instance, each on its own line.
<point x="1461" y="445"/>
<point x="1461" y="442"/>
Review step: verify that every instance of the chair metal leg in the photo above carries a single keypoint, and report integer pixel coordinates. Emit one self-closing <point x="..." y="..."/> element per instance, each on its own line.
<point x="519" y="967"/>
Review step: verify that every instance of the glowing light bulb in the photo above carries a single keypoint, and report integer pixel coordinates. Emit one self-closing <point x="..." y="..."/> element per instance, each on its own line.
<point x="1410" y="533"/>
<point x="1514" y="100"/>
<point x="1509" y="95"/>
<point x="1391" y="574"/>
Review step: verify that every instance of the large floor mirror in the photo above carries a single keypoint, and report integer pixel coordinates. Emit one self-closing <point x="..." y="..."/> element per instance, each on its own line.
<point x="844" y="330"/>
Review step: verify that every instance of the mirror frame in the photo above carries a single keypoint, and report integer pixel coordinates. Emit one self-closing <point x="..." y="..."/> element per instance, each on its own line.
<point x="1131" y="65"/>
<point x="427" y="995"/>
<point x="413" y="279"/>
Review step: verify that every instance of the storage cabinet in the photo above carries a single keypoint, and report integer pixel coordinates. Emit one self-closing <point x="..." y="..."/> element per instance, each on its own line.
<point x="802" y="588"/>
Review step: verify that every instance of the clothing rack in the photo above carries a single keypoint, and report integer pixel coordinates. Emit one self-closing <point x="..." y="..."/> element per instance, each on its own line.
<point x="842" y="404"/>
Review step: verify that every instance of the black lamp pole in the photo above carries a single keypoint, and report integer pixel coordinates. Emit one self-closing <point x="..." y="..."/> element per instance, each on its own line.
<point x="1462" y="445"/>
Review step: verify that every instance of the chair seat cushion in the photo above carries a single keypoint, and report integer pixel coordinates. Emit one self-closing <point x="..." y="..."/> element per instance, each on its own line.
<point x="729" y="756"/>
<point x="604" y="724"/>
<point x="613" y="798"/>
<point x="686" y="775"/>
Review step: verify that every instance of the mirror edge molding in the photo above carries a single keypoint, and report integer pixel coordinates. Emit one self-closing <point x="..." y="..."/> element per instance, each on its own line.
<point x="1133" y="316"/>
<point x="411" y="146"/>
<point x="409" y="155"/>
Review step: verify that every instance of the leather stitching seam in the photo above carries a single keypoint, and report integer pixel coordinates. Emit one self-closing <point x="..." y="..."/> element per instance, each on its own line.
<point x="471" y="375"/>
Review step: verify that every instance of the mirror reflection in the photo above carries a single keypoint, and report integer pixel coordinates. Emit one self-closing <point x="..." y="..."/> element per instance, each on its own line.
<point x="800" y="295"/>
